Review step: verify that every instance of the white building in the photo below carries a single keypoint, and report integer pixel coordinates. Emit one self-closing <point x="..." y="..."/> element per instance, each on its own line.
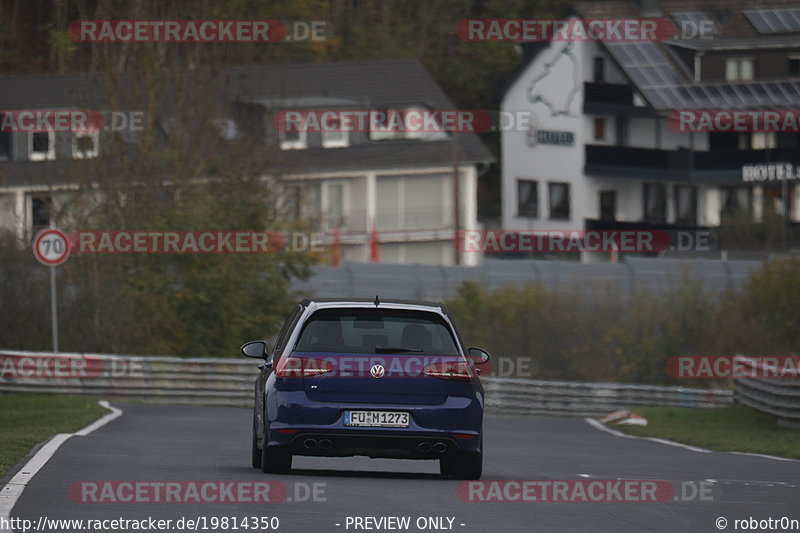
<point x="601" y="153"/>
<point x="402" y="184"/>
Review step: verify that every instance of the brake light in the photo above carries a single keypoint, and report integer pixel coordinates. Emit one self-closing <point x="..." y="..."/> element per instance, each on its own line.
<point x="451" y="370"/>
<point x="302" y="367"/>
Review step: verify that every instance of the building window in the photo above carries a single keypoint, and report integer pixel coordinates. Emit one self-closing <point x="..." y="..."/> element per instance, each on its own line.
<point x="558" y="195"/>
<point x="655" y="202"/>
<point x="600" y="129"/>
<point x="42" y="145"/>
<point x="735" y="201"/>
<point x="794" y="67"/>
<point x="685" y="205"/>
<point x="773" y="201"/>
<point x="85" y="144"/>
<point x="761" y="140"/>
<point x="304" y="201"/>
<point x="5" y="145"/>
<point x="334" y="205"/>
<point x="40" y="213"/>
<point x="740" y="69"/>
<point x="335" y="137"/>
<point x="621" y="125"/>
<point x="599" y="69"/>
<point x="293" y="140"/>
<point x="527" y="198"/>
<point x="383" y="125"/>
<point x="608" y="205"/>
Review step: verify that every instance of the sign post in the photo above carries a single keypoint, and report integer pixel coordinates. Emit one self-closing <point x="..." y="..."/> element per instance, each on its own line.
<point x="51" y="248"/>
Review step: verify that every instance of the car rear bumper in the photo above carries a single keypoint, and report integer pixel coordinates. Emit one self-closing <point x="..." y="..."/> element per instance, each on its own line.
<point x="377" y="444"/>
<point x="317" y="428"/>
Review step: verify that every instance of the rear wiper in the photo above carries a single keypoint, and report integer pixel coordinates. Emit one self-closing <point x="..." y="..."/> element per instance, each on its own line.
<point x="389" y="349"/>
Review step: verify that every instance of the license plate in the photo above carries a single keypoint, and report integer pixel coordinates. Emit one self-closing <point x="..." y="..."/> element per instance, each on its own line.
<point x="381" y="419"/>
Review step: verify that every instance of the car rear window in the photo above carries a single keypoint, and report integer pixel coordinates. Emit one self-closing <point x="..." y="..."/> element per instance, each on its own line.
<point x="376" y="330"/>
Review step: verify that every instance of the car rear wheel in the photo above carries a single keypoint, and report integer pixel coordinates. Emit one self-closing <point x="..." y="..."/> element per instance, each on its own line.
<point x="275" y="460"/>
<point x="463" y="465"/>
<point x="467" y="465"/>
<point x="446" y="465"/>
<point x="256" y="451"/>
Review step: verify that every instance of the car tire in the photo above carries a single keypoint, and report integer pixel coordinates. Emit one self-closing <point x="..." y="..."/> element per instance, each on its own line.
<point x="467" y="465"/>
<point x="256" y="451"/>
<point x="276" y="460"/>
<point x="446" y="465"/>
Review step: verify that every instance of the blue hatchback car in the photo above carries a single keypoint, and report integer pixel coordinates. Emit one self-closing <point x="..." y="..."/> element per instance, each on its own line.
<point x="377" y="378"/>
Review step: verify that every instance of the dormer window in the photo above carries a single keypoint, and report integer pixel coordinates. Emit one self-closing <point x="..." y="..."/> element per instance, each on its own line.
<point x="334" y="136"/>
<point x="383" y="125"/>
<point x="413" y="122"/>
<point x="740" y="69"/>
<point x="794" y="66"/>
<point x="5" y="145"/>
<point x="85" y="144"/>
<point x="293" y="140"/>
<point x="42" y="145"/>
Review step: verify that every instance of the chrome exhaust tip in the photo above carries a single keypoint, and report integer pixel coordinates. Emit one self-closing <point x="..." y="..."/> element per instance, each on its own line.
<point x="440" y="447"/>
<point x="310" y="443"/>
<point x="326" y="444"/>
<point x="424" y="447"/>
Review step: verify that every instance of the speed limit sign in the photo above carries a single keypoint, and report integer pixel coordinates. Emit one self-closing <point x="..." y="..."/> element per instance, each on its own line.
<point x="51" y="247"/>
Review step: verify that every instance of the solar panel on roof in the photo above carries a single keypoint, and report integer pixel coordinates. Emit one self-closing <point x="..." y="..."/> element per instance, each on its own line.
<point x="643" y="62"/>
<point x="654" y="75"/>
<point x="694" y="22"/>
<point x="774" y="20"/>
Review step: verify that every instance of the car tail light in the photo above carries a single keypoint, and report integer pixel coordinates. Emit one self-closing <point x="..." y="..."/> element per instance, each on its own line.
<point x="302" y="367"/>
<point x="452" y="370"/>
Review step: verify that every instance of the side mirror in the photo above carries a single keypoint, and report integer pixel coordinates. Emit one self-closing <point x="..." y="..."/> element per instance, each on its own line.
<point x="479" y="355"/>
<point x="255" y="349"/>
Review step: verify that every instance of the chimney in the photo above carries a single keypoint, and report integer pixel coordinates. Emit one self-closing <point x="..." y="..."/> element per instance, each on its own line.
<point x="648" y="8"/>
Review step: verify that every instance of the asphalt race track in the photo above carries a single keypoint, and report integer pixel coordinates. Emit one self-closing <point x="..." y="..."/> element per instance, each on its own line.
<point x="186" y="443"/>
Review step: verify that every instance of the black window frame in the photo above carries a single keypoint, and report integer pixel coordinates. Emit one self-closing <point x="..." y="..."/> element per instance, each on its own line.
<point x="662" y="217"/>
<point x="532" y="213"/>
<point x="555" y="214"/>
<point x="599" y="69"/>
<point x="692" y="220"/>
<point x="600" y="196"/>
<point x="793" y="67"/>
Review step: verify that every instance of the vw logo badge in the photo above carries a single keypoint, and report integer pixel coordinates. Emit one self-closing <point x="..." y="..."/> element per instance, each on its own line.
<point x="377" y="371"/>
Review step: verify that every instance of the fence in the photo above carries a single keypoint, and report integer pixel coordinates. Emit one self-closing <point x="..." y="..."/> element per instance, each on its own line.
<point x="230" y="382"/>
<point x="595" y="279"/>
<point x="779" y="397"/>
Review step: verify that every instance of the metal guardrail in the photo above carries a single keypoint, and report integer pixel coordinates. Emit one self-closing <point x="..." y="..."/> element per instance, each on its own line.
<point x="593" y="280"/>
<point x="230" y="382"/>
<point x="777" y="396"/>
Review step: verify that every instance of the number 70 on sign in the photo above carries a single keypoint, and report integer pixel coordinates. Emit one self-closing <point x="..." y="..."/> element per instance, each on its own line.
<point x="51" y="247"/>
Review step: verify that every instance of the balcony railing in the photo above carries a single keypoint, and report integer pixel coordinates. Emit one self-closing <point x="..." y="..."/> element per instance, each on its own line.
<point x="391" y="220"/>
<point x="608" y="93"/>
<point x="682" y="161"/>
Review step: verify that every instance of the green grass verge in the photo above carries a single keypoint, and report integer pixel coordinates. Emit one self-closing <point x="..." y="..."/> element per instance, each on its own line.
<point x="730" y="429"/>
<point x="28" y="419"/>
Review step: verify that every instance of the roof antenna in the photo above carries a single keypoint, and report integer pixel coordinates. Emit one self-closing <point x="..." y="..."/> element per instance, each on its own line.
<point x="376" y="302"/>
